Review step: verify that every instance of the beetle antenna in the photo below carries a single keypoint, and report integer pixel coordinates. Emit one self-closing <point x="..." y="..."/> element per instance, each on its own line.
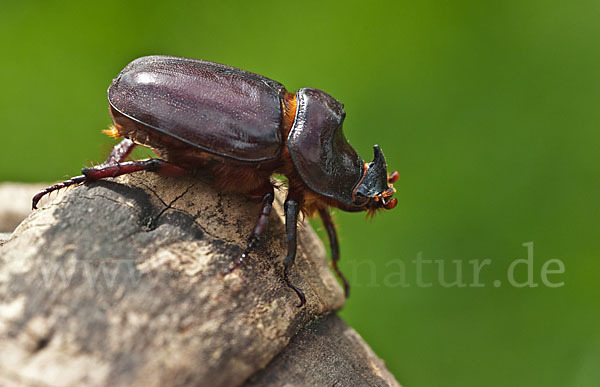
<point x="382" y="198"/>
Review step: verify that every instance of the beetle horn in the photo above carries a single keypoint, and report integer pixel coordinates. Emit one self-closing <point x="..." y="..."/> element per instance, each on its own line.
<point x="375" y="181"/>
<point x="378" y="159"/>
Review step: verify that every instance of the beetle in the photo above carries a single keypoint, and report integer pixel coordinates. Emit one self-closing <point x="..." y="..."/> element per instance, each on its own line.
<point x="239" y="129"/>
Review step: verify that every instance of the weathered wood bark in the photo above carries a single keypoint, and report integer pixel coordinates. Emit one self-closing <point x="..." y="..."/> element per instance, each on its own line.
<point x="118" y="283"/>
<point x="327" y="352"/>
<point x="15" y="203"/>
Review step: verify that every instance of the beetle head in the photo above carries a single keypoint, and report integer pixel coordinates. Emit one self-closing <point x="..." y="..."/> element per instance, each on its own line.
<point x="376" y="189"/>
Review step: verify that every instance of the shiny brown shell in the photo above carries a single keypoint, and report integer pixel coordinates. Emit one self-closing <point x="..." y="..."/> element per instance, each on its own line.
<point x="324" y="159"/>
<point x="216" y="108"/>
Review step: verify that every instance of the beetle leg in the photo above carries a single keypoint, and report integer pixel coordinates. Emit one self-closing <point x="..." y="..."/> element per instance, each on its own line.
<point x="291" y="208"/>
<point x="118" y="154"/>
<point x="159" y="166"/>
<point x="259" y="227"/>
<point x="335" y="247"/>
<point x="113" y="170"/>
<point x="55" y="187"/>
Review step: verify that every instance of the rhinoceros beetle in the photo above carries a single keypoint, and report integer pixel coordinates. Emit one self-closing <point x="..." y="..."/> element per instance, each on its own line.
<point x="240" y="128"/>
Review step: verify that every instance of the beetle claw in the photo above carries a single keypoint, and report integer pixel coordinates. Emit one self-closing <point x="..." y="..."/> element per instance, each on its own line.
<point x="299" y="292"/>
<point x="235" y="263"/>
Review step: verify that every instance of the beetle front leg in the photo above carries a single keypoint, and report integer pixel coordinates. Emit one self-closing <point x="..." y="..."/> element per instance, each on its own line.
<point x="259" y="228"/>
<point x="292" y="208"/>
<point x="335" y="247"/>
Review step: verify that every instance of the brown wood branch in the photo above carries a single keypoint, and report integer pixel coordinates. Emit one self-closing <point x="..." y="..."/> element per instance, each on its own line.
<point x="119" y="283"/>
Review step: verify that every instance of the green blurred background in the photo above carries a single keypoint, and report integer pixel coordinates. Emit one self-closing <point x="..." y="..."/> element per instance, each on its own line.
<point x="489" y="111"/>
